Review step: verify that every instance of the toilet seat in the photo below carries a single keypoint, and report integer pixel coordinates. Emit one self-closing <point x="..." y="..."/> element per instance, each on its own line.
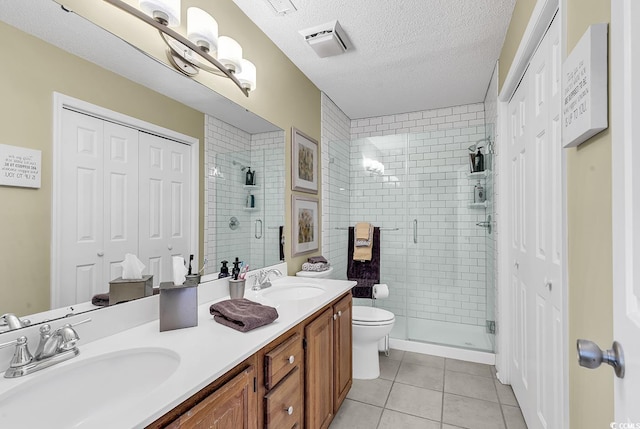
<point x="371" y="316"/>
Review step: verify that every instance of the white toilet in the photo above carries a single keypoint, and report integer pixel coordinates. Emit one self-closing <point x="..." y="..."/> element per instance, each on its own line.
<point x="370" y="325"/>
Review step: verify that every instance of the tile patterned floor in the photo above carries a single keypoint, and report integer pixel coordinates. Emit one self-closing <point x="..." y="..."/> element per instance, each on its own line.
<point x="429" y="392"/>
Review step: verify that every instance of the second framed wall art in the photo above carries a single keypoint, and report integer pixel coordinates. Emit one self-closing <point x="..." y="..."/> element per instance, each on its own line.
<point x="304" y="162"/>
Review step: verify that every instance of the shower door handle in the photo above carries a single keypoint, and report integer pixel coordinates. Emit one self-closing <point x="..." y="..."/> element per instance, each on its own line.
<point x="258" y="231"/>
<point x="415" y="231"/>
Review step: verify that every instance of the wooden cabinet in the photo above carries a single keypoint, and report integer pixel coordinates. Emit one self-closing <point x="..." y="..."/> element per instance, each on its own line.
<point x="283" y="385"/>
<point x="319" y="371"/>
<point x="342" y="356"/>
<point x="232" y="406"/>
<point x="328" y="375"/>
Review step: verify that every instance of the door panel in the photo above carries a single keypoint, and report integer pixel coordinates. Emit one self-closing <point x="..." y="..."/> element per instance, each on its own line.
<point x="535" y="150"/>
<point x="164" y="208"/>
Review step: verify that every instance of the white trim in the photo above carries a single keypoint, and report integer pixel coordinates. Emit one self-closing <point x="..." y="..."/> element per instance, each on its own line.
<point x="541" y="16"/>
<point x="61" y="101"/>
<point x="443" y="351"/>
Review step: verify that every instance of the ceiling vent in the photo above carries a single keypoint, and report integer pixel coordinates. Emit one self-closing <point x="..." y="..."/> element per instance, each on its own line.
<point x="327" y="39"/>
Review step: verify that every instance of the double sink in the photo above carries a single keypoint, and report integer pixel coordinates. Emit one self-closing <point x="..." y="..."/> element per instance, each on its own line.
<point x="85" y="390"/>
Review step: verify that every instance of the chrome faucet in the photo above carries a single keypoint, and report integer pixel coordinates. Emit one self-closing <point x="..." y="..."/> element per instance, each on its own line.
<point x="54" y="347"/>
<point x="13" y="321"/>
<point x="262" y="279"/>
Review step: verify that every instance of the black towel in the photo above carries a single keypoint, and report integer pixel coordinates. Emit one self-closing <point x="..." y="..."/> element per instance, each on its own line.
<point x="366" y="273"/>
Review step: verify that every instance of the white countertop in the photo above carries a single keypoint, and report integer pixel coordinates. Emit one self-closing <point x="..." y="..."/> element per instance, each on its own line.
<point x="206" y="352"/>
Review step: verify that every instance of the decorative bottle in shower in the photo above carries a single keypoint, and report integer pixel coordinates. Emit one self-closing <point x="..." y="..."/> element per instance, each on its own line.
<point x="478" y="193"/>
<point x="479" y="161"/>
<point x="250" y="177"/>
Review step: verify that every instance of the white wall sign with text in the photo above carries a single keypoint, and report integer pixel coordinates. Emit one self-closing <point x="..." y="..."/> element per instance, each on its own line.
<point x="20" y="166"/>
<point x="585" y="99"/>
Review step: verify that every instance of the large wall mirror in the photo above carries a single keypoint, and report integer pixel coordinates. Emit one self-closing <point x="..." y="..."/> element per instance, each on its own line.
<point x="240" y="217"/>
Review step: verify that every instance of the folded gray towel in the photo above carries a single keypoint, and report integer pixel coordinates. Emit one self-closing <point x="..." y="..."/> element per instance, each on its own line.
<point x="101" y="299"/>
<point x="317" y="259"/>
<point x="308" y="266"/>
<point x="242" y="314"/>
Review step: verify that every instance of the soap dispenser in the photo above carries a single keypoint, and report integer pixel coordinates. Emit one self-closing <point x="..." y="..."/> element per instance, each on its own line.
<point x="479" y="161"/>
<point x="249" y="177"/>
<point x="224" y="270"/>
<point x="235" y="272"/>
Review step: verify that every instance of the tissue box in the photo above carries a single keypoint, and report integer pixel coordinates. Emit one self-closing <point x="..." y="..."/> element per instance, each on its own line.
<point x="125" y="290"/>
<point x="178" y="306"/>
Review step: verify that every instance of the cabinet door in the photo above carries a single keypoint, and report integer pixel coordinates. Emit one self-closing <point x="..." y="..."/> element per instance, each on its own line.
<point x="319" y="371"/>
<point x="342" y="377"/>
<point x="233" y="406"/>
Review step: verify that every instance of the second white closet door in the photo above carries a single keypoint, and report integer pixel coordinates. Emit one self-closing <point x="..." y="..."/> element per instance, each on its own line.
<point x="164" y="204"/>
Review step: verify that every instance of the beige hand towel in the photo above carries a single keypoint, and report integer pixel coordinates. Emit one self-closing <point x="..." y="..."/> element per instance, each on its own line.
<point x="362" y="231"/>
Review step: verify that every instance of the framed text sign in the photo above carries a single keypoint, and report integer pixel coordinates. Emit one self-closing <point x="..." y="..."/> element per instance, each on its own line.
<point x="20" y="166"/>
<point x="585" y="99"/>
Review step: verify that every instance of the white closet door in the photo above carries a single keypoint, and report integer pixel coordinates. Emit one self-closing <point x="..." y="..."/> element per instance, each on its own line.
<point x="120" y="197"/>
<point x="98" y="205"/>
<point x="164" y="204"/>
<point x="535" y="153"/>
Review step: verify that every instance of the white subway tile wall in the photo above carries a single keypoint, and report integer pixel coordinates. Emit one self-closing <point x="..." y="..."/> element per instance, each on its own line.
<point x="426" y="161"/>
<point x="226" y="195"/>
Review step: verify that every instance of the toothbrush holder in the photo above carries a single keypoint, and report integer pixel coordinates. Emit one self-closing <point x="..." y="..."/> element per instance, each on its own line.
<point x="236" y="288"/>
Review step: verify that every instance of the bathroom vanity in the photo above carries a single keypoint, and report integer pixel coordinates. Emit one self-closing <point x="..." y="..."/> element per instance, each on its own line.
<point x="294" y="372"/>
<point x="298" y="380"/>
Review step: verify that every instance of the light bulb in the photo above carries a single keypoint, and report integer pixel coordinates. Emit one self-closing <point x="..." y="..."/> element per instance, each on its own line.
<point x="202" y="29"/>
<point x="164" y="11"/>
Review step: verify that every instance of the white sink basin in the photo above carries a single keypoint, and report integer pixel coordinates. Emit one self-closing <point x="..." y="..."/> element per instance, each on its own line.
<point x="74" y="395"/>
<point x="293" y="292"/>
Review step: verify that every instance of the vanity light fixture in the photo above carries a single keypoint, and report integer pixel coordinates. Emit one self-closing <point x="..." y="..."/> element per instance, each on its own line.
<point x="202" y="49"/>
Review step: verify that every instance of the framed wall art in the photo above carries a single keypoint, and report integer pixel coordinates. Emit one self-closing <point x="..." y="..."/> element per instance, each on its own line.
<point x="304" y="162"/>
<point x="304" y="217"/>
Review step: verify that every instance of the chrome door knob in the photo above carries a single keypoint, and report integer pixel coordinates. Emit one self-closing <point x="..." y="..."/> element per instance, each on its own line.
<point x="170" y="247"/>
<point x="100" y="253"/>
<point x="590" y="356"/>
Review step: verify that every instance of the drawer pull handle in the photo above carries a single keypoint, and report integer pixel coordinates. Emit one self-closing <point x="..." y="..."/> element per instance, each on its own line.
<point x="289" y="410"/>
<point x="335" y="316"/>
<point x="291" y="359"/>
<point x="339" y="313"/>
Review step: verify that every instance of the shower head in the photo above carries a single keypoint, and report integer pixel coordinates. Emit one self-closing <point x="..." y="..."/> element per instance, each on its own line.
<point x="242" y="166"/>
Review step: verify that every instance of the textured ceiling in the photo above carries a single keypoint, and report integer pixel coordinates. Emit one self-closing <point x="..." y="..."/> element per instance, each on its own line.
<point x="408" y="55"/>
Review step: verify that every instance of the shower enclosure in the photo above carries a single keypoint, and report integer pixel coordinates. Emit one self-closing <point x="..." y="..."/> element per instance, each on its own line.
<point x="436" y="240"/>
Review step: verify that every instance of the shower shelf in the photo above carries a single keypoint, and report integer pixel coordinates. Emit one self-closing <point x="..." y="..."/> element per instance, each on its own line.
<point x="250" y="187"/>
<point x="250" y="209"/>
<point x="477" y="175"/>
<point x="483" y="205"/>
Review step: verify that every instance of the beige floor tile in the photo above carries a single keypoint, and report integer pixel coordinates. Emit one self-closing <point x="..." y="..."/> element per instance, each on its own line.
<point x="422" y="359"/>
<point x="395" y="420"/>
<point x="421" y="376"/>
<point x="415" y="401"/>
<point x="394" y="354"/>
<point x="389" y="368"/>
<point x="505" y="394"/>
<point x="473" y="386"/>
<point x="471" y="413"/>
<point x="373" y="392"/>
<point x="469" y="367"/>
<point x="513" y="417"/>
<point x="353" y="414"/>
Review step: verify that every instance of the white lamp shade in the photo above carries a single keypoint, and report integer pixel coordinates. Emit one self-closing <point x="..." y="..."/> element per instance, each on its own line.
<point x="202" y="29"/>
<point x="248" y="75"/>
<point x="167" y="9"/>
<point x="230" y="53"/>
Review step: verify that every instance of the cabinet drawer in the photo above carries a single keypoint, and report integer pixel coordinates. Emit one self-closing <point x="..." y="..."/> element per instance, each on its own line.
<point x="283" y="405"/>
<point x="281" y="360"/>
